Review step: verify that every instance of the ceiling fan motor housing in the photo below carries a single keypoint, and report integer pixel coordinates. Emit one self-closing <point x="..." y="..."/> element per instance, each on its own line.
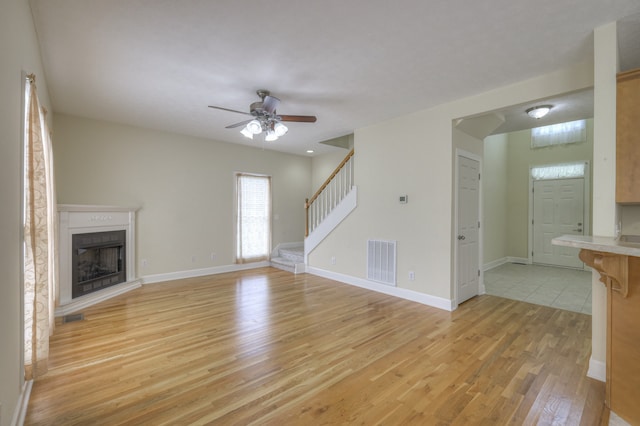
<point x="256" y="108"/>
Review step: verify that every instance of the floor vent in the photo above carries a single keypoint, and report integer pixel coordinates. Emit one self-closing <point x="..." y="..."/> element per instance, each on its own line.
<point x="72" y="318"/>
<point x="381" y="261"/>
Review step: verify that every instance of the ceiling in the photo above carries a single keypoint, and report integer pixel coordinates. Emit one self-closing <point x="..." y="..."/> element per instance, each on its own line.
<point x="158" y="64"/>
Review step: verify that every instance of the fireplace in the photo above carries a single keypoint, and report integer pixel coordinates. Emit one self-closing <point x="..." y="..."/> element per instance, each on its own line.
<point x="98" y="260"/>
<point x="97" y="255"/>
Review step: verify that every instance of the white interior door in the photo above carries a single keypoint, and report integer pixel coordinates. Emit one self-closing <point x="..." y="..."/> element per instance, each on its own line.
<point x="558" y="209"/>
<point x="468" y="259"/>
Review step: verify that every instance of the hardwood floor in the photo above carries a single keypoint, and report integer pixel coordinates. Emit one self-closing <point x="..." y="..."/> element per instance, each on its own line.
<point x="271" y="348"/>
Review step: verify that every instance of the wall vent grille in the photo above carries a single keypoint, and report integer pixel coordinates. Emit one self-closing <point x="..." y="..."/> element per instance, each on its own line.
<point x="381" y="261"/>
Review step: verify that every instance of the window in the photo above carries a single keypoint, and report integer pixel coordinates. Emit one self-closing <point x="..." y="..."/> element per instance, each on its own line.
<point x="253" y="220"/>
<point x="558" y="171"/>
<point x="558" y="134"/>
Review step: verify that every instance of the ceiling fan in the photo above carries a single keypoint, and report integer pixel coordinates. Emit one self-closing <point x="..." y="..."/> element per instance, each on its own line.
<point x="265" y="118"/>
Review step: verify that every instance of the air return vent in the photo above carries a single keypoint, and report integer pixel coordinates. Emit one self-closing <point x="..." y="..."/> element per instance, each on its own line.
<point x="381" y="261"/>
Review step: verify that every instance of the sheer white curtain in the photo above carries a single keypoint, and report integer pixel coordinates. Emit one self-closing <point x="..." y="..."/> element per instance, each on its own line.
<point x="40" y="236"/>
<point x="253" y="218"/>
<point x="558" y="134"/>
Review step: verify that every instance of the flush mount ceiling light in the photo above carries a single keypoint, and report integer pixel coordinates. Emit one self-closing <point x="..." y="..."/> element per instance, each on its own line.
<point x="539" y="111"/>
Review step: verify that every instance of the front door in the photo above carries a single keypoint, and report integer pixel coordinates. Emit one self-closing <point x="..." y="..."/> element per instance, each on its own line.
<point x="558" y="209"/>
<point x="468" y="260"/>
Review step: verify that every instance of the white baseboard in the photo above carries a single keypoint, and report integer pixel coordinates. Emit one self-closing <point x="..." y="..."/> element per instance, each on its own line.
<point x="597" y="370"/>
<point x="403" y="293"/>
<point x="20" y="412"/>
<point x="524" y="260"/>
<point x="192" y="273"/>
<point x="500" y="262"/>
<point x="494" y="264"/>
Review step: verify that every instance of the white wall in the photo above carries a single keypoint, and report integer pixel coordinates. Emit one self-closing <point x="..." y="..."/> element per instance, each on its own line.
<point x="421" y="166"/>
<point x="20" y="56"/>
<point x="184" y="186"/>
<point x="604" y="173"/>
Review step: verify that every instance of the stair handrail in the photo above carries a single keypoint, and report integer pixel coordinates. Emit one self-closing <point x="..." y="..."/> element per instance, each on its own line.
<point x="308" y="202"/>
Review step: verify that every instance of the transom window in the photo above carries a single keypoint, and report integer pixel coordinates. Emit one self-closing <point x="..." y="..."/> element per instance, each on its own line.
<point x="558" y="134"/>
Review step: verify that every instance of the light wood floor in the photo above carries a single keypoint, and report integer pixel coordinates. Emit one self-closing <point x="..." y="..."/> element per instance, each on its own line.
<point x="270" y="348"/>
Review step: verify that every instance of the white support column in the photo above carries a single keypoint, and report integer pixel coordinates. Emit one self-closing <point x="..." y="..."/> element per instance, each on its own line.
<point x="604" y="177"/>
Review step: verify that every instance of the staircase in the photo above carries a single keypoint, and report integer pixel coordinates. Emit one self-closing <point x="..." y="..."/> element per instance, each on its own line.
<point x="330" y="205"/>
<point x="289" y="258"/>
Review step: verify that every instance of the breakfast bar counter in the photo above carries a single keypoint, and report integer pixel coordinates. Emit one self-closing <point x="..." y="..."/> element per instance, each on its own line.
<point x="618" y="263"/>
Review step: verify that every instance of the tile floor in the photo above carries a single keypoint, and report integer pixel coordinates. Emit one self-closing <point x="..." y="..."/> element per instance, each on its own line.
<point x="561" y="288"/>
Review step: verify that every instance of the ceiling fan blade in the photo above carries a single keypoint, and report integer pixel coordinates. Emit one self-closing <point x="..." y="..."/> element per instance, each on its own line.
<point x="299" y="118"/>
<point x="270" y="104"/>
<point x="242" y="123"/>
<point x="230" y="110"/>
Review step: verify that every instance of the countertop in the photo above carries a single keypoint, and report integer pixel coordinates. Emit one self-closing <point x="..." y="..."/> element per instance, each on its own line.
<point x="603" y="244"/>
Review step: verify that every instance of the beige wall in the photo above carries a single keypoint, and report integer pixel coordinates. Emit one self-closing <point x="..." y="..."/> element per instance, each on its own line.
<point x="466" y="142"/>
<point x="494" y="194"/>
<point x="323" y="165"/>
<point x="421" y="166"/>
<point x="184" y="186"/>
<point x="411" y="165"/>
<point x="20" y="56"/>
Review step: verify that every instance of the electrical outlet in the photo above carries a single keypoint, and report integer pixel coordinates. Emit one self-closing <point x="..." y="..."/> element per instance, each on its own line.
<point x="193" y="259"/>
<point x="333" y="260"/>
<point x="144" y="263"/>
<point x="412" y="275"/>
<point x="213" y="256"/>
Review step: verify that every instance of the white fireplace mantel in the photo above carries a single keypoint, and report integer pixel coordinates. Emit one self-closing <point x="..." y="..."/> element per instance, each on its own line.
<point x="80" y="219"/>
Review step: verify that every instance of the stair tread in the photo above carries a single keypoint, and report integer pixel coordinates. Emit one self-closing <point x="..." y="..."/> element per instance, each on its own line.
<point x="295" y="250"/>
<point x="284" y="260"/>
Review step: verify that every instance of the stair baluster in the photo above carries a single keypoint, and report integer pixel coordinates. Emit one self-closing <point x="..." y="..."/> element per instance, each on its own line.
<point x="330" y="194"/>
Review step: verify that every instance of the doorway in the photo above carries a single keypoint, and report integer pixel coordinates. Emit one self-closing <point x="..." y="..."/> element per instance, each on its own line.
<point x="467" y="226"/>
<point x="559" y="206"/>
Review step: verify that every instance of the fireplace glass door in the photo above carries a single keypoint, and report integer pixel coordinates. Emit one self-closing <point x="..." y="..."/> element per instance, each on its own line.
<point x="98" y="261"/>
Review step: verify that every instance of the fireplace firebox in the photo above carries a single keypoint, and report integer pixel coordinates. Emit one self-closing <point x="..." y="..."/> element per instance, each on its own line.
<point x="98" y="260"/>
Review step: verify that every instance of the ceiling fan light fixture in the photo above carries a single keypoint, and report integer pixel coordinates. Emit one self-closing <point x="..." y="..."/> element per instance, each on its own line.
<point x="539" y="111"/>
<point x="255" y="127"/>
<point x="280" y="129"/>
<point x="246" y="133"/>
<point x="271" y="136"/>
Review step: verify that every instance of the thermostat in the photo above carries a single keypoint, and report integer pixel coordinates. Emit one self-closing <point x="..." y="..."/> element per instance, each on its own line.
<point x="404" y="199"/>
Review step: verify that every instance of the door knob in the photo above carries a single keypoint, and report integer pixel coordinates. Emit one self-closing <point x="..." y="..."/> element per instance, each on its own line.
<point x="461" y="237"/>
<point x="577" y="230"/>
